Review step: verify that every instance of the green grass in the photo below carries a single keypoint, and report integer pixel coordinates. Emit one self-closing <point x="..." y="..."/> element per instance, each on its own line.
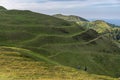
<point x="19" y="64"/>
<point x="56" y="41"/>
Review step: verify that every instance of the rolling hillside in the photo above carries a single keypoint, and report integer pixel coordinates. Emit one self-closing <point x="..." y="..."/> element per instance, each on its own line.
<point x="102" y="27"/>
<point x="59" y="42"/>
<point x="20" y="64"/>
<point x="99" y="25"/>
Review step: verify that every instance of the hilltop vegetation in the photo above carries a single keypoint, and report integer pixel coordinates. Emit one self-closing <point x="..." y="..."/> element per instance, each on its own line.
<point x="59" y="42"/>
<point x="71" y="18"/>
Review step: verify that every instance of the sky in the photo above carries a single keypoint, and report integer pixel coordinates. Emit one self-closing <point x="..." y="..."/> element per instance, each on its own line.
<point x="89" y="9"/>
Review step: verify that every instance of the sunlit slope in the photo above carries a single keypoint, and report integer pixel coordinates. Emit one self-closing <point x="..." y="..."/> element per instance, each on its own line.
<point x="17" y="64"/>
<point x="71" y="18"/>
<point x="99" y="25"/>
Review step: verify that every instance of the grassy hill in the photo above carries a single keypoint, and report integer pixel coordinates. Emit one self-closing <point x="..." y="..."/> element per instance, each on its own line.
<point x="99" y="25"/>
<point x="21" y="64"/>
<point x="71" y="18"/>
<point x="58" y="41"/>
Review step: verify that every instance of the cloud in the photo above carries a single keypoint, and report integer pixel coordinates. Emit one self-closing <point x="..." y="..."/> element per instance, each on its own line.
<point x="107" y="5"/>
<point x="55" y="4"/>
<point x="42" y="4"/>
<point x="85" y="8"/>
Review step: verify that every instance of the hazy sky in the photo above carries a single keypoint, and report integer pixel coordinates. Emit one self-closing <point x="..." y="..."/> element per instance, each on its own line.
<point x="109" y="9"/>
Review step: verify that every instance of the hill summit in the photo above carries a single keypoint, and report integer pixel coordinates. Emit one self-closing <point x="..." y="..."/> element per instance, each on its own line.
<point x="100" y="26"/>
<point x="72" y="18"/>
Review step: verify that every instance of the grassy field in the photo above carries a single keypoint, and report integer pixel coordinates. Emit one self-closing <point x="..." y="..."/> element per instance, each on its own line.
<point x="21" y="64"/>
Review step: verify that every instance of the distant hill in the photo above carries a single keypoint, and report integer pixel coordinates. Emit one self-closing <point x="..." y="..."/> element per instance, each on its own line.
<point x="70" y="17"/>
<point x="98" y="25"/>
<point x="111" y="21"/>
<point x="58" y="42"/>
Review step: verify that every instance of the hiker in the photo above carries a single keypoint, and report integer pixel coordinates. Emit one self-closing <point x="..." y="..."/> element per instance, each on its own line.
<point x="85" y="68"/>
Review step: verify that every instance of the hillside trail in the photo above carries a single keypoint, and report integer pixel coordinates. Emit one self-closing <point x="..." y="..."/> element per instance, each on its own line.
<point x="81" y="44"/>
